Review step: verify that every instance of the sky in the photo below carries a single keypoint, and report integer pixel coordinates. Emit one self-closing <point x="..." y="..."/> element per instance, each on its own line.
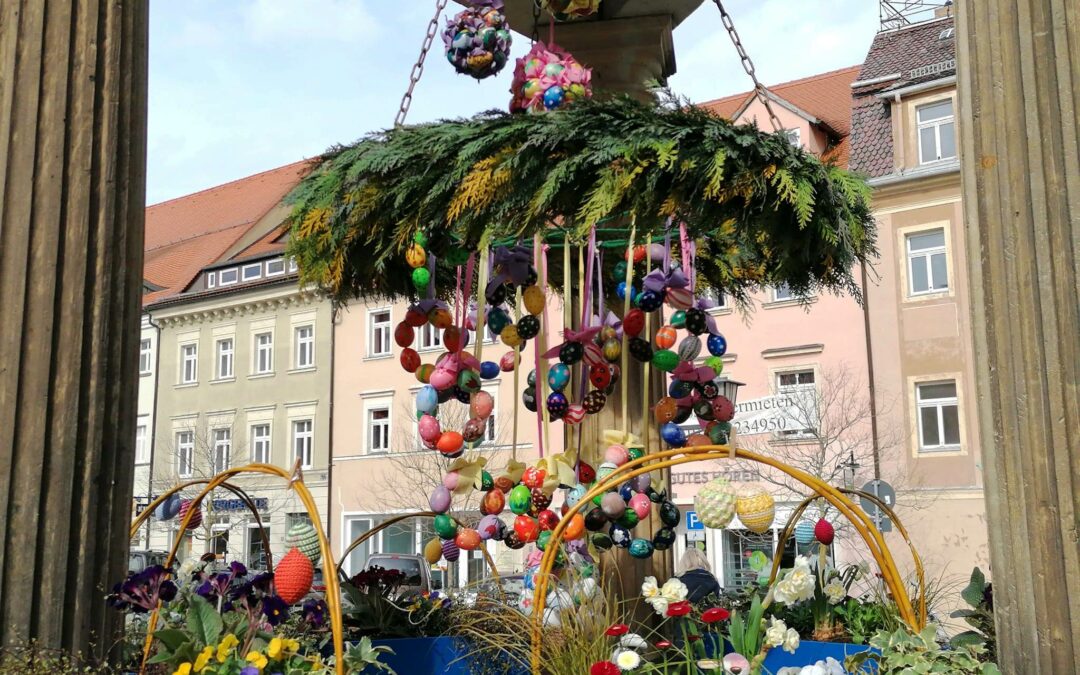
<point x="243" y="86"/>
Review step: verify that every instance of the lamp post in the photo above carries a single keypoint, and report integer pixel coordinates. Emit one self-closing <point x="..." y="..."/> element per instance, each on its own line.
<point x="849" y="468"/>
<point x="729" y="389"/>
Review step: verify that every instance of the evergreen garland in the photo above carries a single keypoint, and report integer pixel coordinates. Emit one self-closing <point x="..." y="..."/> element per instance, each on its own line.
<point x="762" y="211"/>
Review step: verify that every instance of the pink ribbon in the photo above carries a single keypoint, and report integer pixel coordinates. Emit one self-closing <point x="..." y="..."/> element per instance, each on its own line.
<point x="686" y="372"/>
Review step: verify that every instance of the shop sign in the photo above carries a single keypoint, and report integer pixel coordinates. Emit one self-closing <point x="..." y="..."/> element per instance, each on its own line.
<point x="701" y="477"/>
<point x="261" y="503"/>
<point x="789" y="411"/>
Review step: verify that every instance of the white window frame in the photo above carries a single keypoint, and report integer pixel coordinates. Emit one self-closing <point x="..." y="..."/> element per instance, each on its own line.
<point x="378" y="437"/>
<point x="380" y="332"/>
<point x="259" y="349"/>
<point x="185" y="450"/>
<point x="422" y="333"/>
<point x="347" y="519"/>
<point x="275" y="262"/>
<point x="189" y="359"/>
<point x="145" y="355"/>
<point x="936" y="125"/>
<point x="223" y="356"/>
<point x="928" y="254"/>
<point x="211" y="279"/>
<point x="940" y="404"/>
<point x="235" y="276"/>
<point x="222" y="449"/>
<point x="292" y="265"/>
<point x="787" y="434"/>
<point x="262" y="447"/>
<point x="303" y="442"/>
<point x="305" y="346"/>
<point x="776" y="294"/>
<point x="257" y="267"/>
<point x="794" y="136"/>
<point x="142" y="447"/>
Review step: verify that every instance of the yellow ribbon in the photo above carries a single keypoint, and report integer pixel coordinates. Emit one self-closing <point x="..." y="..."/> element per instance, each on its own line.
<point x="620" y="437"/>
<point x="514" y="471"/>
<point x="471" y="472"/>
<point x="559" y="469"/>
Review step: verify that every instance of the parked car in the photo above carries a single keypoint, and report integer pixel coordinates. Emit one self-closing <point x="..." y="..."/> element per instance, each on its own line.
<point x="505" y="589"/>
<point x="140" y="560"/>
<point x="415" y="567"/>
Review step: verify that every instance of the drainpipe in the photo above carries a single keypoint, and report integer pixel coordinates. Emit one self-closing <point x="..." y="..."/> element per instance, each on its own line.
<point x="870" y="375"/>
<point x="154" y="412"/>
<point x="330" y="439"/>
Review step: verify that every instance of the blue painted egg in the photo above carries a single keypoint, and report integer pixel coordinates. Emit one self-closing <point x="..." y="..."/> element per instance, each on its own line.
<point x="679" y="389"/>
<point x="427" y="399"/>
<point x="804" y="532"/>
<point x="489" y="370"/>
<point x="575" y="494"/>
<point x="559" y="376"/>
<point x="620" y="536"/>
<point x="641" y="548"/>
<point x="650" y="301"/>
<point x="673" y="435"/>
<point x="626" y="490"/>
<point x="557" y="404"/>
<point x="717" y="345"/>
<point x="553" y="97"/>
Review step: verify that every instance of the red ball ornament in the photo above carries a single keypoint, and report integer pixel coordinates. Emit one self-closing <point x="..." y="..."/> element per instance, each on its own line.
<point x="634" y="322"/>
<point x="410" y="360"/>
<point x="547" y="519"/>
<point x="723" y="409"/>
<point x="600" y="376"/>
<point x="526" y="528"/>
<point x="293" y="576"/>
<point x="404" y="334"/>
<point x="824" y="532"/>
<point x="586" y="473"/>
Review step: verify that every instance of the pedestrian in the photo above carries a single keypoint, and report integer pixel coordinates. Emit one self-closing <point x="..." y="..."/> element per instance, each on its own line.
<point x="694" y="571"/>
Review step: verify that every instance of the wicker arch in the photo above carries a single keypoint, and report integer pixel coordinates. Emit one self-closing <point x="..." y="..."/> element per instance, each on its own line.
<point x="394" y="521"/>
<point x="669" y="458"/>
<point x="295" y="482"/>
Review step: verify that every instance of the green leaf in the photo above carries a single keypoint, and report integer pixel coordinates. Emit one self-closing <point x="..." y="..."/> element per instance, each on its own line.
<point x="203" y="621"/>
<point x="968" y="637"/>
<point x="172" y="638"/>
<point x="161" y="657"/>
<point x="973" y="593"/>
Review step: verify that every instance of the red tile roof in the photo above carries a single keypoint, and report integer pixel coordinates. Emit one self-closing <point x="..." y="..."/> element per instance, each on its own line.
<point x="185" y="234"/>
<point x="826" y="96"/>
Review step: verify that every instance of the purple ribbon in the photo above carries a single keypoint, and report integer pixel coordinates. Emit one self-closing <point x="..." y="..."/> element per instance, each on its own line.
<point x="511" y="263"/>
<point x="610" y="321"/>
<point x="656" y="280"/>
<point x="686" y="372"/>
<point x="425" y="306"/>
<point x="705" y="304"/>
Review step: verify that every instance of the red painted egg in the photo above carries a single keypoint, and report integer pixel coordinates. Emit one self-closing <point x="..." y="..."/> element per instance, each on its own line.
<point x="404" y="334"/>
<point x="508" y="361"/>
<point x="467" y="539"/>
<point x="526" y="528"/>
<point x="586" y="473"/>
<point x="533" y="477"/>
<point x="634" y="322"/>
<point x="410" y="360"/>
<point x="494" y="501"/>
<point x="547" y="519"/>
<point x="449" y="442"/>
<point x="452" y="339"/>
<point x="415" y="318"/>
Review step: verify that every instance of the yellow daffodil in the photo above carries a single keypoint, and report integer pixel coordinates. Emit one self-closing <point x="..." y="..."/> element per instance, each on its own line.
<point x="203" y="658"/>
<point x="183" y="669"/>
<point x="277" y="646"/>
<point x="291" y="646"/>
<point x="256" y="659"/>
<point x="226" y="646"/>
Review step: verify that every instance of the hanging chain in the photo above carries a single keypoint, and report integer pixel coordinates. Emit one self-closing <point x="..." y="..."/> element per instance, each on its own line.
<point x="748" y="66"/>
<point x="536" y="21"/>
<point x="418" y="67"/>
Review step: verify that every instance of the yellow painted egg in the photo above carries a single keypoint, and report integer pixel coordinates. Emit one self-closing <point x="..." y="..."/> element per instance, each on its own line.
<point x="510" y="337"/>
<point x="416" y="256"/>
<point x="534" y="300"/>
<point x="755" y="508"/>
<point x="433" y="551"/>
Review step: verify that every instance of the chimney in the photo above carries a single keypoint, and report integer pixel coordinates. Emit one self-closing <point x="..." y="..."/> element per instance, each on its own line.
<point x="943" y="11"/>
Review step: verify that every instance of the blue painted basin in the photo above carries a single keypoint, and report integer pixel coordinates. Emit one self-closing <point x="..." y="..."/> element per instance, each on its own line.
<point x="438" y="655"/>
<point x="810" y="652"/>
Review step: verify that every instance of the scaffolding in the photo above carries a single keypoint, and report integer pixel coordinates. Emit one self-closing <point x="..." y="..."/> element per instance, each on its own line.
<point x="900" y="13"/>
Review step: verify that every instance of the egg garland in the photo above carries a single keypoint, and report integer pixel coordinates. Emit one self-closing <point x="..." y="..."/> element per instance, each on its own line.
<point x="578" y="347"/>
<point x="548" y="78"/>
<point x="478" y="39"/>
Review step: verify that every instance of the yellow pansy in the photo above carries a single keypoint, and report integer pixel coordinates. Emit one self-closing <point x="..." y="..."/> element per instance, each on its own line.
<point x="292" y="646"/>
<point x="203" y="658"/>
<point x="226" y="646"/>
<point x="317" y="663"/>
<point x="256" y="659"/>
<point x="183" y="669"/>
<point x="277" y="645"/>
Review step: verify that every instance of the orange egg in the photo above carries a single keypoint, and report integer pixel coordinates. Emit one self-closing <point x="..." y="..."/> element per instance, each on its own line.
<point x="449" y="442"/>
<point x="575" y="529"/>
<point x="467" y="539"/>
<point x="665" y="337"/>
<point x="665" y="410"/>
<point x="440" y="318"/>
<point x="698" y="439"/>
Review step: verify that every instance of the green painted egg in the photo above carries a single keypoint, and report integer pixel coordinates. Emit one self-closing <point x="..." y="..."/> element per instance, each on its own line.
<point x="543" y="539"/>
<point x="420" y="238"/>
<point x="669" y="514"/>
<point x="487" y="483"/>
<point x="635" y="453"/>
<point x="520" y="499"/>
<point x="665" y="359"/>
<point x="445" y="526"/>
<point x="601" y="541"/>
<point x="629" y="519"/>
<point x="678" y="319"/>
<point x="420" y="278"/>
<point x="641" y="548"/>
<point x="716" y="363"/>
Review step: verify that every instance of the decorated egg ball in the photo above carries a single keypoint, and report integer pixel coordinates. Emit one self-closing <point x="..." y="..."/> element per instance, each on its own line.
<point x="557" y="404"/>
<point x="433" y="550"/>
<point x="497" y="319"/>
<point x="804" y="532"/>
<point x="575" y="414"/>
<point x="575" y="528"/>
<point x="703" y="409"/>
<point x="696" y="321"/>
<point x="586" y="473"/>
<point x="600" y="376"/>
<point x="467" y="539"/>
<point x="410" y="361"/>
<point x="636" y="452"/>
<point x="626" y="490"/>
<point x="452" y="339"/>
<point x="665" y="409"/>
<point x="720" y="434"/>
<point x="723" y="408"/>
<point x="620" y="290"/>
<point x="558" y="376"/>
<point x="664" y="538"/>
<point x="641" y="548"/>
<point x="595" y="520"/>
<point x="571" y="352"/>
<point x="509" y="336"/>
<point x="640" y="350"/>
<point x="717" y="345"/>
<point x="641" y="505"/>
<point x="168" y="509"/>
<point x="528" y="327"/>
<point x="493" y="502"/>
<point x="824" y="532"/>
<point x="489" y="370"/>
<point x="460" y="394"/>
<point x="694" y="440"/>
<point x="612" y="505"/>
<point x="620" y="535"/>
<point x="415" y="318"/>
<point x="665" y="337"/>
<point x="690" y="348"/>
<point x="445" y="526"/>
<point x="533" y="298"/>
<point x="629" y="519"/>
<point x="440" y="318"/>
<point x="755" y="508"/>
<point x="196" y="518"/>
<point x="495" y="294"/>
<point x="543" y="539"/>
<point x="420" y="278"/>
<point x="473" y="430"/>
<point x="606" y="470"/>
<point x="547" y="519"/>
<point x="650" y="301"/>
<point x="469" y="381"/>
<point x="509" y="361"/>
<point x="553" y="97"/>
<point x="634" y="322"/>
<point x="594" y="401"/>
<point x="439" y="501"/>
<point x="451" y="480"/>
<point x="429" y="428"/>
<point x="520" y="499"/>
<point x="709" y="389"/>
<point x="528" y="399"/>
<point x="491" y="527"/>
<point x="673" y="435"/>
<point x="427" y="399"/>
<point x="533" y="477"/>
<point x="482" y="405"/>
<point x="616" y="454"/>
<point x="669" y="514"/>
<point x="526" y="528"/>
<point x="449" y="442"/>
<point x="486" y="481"/>
<point x="665" y="360"/>
<point x="601" y="541"/>
<point x="450" y="550"/>
<point x="682" y="415"/>
<point x="715" y="503"/>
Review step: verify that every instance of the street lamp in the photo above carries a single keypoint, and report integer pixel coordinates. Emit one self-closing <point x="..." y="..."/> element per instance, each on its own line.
<point x="849" y="468"/>
<point x="729" y="389"/>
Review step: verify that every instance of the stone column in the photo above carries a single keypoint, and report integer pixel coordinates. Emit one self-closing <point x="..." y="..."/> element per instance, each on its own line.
<point x="1019" y="66"/>
<point x="72" y="195"/>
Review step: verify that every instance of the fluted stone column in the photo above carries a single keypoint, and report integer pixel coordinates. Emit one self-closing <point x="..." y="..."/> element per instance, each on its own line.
<point x="1019" y="66"/>
<point x="72" y="195"/>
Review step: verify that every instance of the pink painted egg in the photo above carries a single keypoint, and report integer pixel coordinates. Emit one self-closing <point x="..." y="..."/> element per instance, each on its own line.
<point x="679" y="298"/>
<point x="442" y="379"/>
<point x="617" y="455"/>
<point x="429" y="428"/>
<point x="574" y="414"/>
<point x="451" y="481"/>
<point x="641" y="505"/>
<point x="482" y="405"/>
<point x="508" y="361"/>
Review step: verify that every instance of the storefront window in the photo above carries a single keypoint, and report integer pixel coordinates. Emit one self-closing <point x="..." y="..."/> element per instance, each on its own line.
<point x="399" y="538"/>
<point x="358" y="557"/>
<point x="739" y="545"/>
<point x="256" y="553"/>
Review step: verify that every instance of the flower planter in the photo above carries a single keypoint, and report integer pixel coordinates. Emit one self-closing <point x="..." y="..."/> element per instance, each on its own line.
<point x="443" y="655"/>
<point x="810" y="652"/>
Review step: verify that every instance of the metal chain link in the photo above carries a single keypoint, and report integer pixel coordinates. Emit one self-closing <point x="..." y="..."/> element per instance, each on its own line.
<point x="748" y="65"/>
<point x="536" y="21"/>
<point x="418" y="67"/>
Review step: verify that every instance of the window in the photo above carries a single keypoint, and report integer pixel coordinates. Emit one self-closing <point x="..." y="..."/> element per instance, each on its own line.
<point x="142" y="451"/>
<point x="927" y="270"/>
<point x="379" y="333"/>
<point x="252" y="271"/>
<point x="429" y="337"/>
<point x="144" y="356"/>
<point x="227" y="277"/>
<point x="185" y="453"/>
<point x="937" y="132"/>
<point x="939" y="415"/>
<point x="378" y="420"/>
<point x="256" y="559"/>
<point x="305" y="346"/>
<point x="222" y="449"/>
<point x="292" y="265"/>
<point x="189" y="363"/>
<point x="802" y="412"/>
<point x="260" y="443"/>
<point x="359" y="555"/>
<point x="219" y="532"/>
<point x="224" y="358"/>
<point x="264" y="353"/>
<point x="302" y="442"/>
<point x="739" y="545"/>
<point x="794" y="137"/>
<point x="275" y="267"/>
<point x="211" y="279"/>
<point x="782" y="292"/>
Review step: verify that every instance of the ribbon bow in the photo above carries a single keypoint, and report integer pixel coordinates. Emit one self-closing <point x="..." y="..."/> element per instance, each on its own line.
<point x="587" y="338"/>
<point x="623" y="438"/>
<point x="514" y="471"/>
<point x="611" y="321"/>
<point x="687" y="372"/>
<point x="471" y="472"/>
<point x="511" y="263"/>
<point x="560" y="470"/>
<point x="458" y="361"/>
<point x="425" y="306"/>
<point x="705" y="304"/>
<point x="658" y="280"/>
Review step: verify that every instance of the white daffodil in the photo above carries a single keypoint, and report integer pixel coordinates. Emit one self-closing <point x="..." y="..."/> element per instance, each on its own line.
<point x="776" y="632"/>
<point x="627" y="659"/>
<point x="797" y="585"/>
<point x="791" y="641"/>
<point x="834" y="591"/>
<point x="674" y="590"/>
<point x="649" y="589"/>
<point x="659" y="604"/>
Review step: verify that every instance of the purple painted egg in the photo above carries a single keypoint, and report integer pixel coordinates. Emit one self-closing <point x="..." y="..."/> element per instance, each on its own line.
<point x="439" y="501"/>
<point x="450" y="550"/>
<point x="490" y="527"/>
<point x="643" y="482"/>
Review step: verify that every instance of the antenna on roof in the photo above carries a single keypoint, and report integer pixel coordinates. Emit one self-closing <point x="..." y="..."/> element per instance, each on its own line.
<point x="900" y="13"/>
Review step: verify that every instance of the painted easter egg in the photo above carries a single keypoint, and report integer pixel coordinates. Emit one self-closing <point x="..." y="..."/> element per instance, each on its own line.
<point x="612" y="349"/>
<point x="613" y="505"/>
<point x="665" y="409"/>
<point x="547" y="519"/>
<point x="538" y="500"/>
<point x="410" y="361"/>
<point x="605" y="470"/>
<point x="696" y="321"/>
<point x="669" y="514"/>
<point x="427" y="399"/>
<point x="586" y="473"/>
<point x="634" y="322"/>
<point x="575" y="528"/>
<point x="404" y="334"/>
<point x="678" y="319"/>
<point x="595" y="520"/>
<point x="474" y="429"/>
<point x="440" y="499"/>
<point x="442" y="378"/>
<point x="665" y="337"/>
<point x="804" y="532"/>
<point x="575" y="414"/>
<point x="690" y="348"/>
<point x="449" y="442"/>
<point x="717" y="345"/>
<point x="629" y="519"/>
<point x="557" y="404"/>
<point x="489" y="370"/>
<point x="643" y="482"/>
<point x="680" y="389"/>
<point x="616" y="454"/>
<point x="600" y="376"/>
<point x="533" y="298"/>
<point x="620" y="536"/>
<point x="558" y="376"/>
<point x="415" y="318"/>
<point x="494" y="502"/>
<point x="196" y="518"/>
<point x="429" y="428"/>
<point x="665" y="360"/>
<point x="575" y="494"/>
<point x="508" y="361"/>
<point x="504" y="485"/>
<point x="528" y="399"/>
<point x="723" y="409"/>
<point x="526" y="528"/>
<point x="594" y="401"/>
<point x="528" y="327"/>
<point x="679" y="298"/>
<point x="467" y="539"/>
<point x="520" y="499"/>
<point x="533" y="477"/>
<point x="641" y="505"/>
<point x="824" y="532"/>
<point x="482" y="405"/>
<point x="509" y="336"/>
<point x="433" y="550"/>
<point x="673" y="435"/>
<point x="491" y="527"/>
<point x="450" y="550"/>
<point x="420" y="278"/>
<point x="664" y="538"/>
<point x="571" y="352"/>
<point x="641" y="549"/>
<point x="640" y="350"/>
<point x="445" y="526"/>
